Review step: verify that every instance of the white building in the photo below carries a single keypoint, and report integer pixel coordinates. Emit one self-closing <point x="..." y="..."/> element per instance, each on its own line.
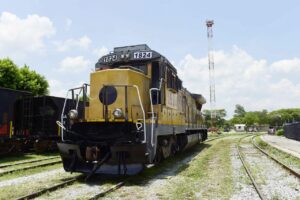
<point x="240" y="127"/>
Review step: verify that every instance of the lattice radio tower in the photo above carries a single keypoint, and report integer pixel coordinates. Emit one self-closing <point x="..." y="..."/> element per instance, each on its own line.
<point x="212" y="92"/>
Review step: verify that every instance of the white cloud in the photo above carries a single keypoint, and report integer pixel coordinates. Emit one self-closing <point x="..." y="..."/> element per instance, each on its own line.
<point x="99" y="52"/>
<point x="242" y="79"/>
<point x="20" y="36"/>
<point x="60" y="88"/>
<point x="74" y="64"/>
<point x="83" y="42"/>
<point x="287" y="66"/>
<point x="57" y="88"/>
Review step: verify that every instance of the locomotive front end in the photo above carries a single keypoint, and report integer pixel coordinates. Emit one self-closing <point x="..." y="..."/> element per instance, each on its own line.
<point x="111" y="138"/>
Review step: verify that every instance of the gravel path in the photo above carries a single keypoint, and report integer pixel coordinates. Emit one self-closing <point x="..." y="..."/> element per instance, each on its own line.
<point x="244" y="190"/>
<point x="283" y="143"/>
<point x="274" y="181"/>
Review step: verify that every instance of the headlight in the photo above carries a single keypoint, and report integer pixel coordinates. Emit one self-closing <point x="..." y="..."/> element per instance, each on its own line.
<point x="118" y="113"/>
<point x="73" y="114"/>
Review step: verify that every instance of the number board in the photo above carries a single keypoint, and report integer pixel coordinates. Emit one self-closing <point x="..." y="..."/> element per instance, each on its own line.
<point x="142" y="55"/>
<point x="110" y="58"/>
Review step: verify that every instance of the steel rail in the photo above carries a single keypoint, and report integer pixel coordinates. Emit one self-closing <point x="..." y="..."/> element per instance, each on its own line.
<point x="110" y="189"/>
<point x="212" y="139"/>
<point x="259" y="192"/>
<point x="49" y="189"/>
<point x="28" y="161"/>
<point x="29" y="167"/>
<point x="220" y="137"/>
<point x="276" y="160"/>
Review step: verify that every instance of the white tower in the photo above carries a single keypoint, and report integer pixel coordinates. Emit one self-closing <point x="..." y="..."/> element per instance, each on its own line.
<point x="212" y="92"/>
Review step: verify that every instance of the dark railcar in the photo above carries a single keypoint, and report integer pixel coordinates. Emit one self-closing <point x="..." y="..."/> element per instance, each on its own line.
<point x="37" y="120"/>
<point x="8" y="99"/>
<point x="8" y="114"/>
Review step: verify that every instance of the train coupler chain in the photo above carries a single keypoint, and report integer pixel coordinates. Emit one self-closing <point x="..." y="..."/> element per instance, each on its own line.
<point x="98" y="165"/>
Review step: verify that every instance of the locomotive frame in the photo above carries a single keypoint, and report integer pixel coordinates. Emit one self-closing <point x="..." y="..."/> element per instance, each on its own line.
<point x="137" y="113"/>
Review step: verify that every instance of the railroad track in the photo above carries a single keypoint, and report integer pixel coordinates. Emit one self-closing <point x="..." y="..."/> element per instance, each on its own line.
<point x="28" y="162"/>
<point x="212" y="139"/>
<point x="220" y="137"/>
<point x="29" y="167"/>
<point x="249" y="173"/>
<point x="110" y="189"/>
<point x="50" y="189"/>
<point x="259" y="192"/>
<point x="276" y="160"/>
<point x="70" y="182"/>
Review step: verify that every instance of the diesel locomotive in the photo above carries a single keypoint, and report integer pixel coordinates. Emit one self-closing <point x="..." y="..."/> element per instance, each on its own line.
<point x="135" y="112"/>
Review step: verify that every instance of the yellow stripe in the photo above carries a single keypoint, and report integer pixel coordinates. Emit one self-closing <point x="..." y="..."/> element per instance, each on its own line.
<point x="148" y="121"/>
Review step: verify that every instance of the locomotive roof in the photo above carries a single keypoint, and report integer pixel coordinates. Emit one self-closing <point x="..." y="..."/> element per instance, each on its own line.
<point x="129" y="54"/>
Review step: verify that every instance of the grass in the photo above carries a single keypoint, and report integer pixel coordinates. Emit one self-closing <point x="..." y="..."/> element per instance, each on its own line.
<point x="29" y="172"/>
<point x="166" y="164"/>
<point x="284" y="157"/>
<point x="25" y="157"/>
<point x="30" y="186"/>
<point x="209" y="176"/>
<point x="138" y="182"/>
<point x="21" y="166"/>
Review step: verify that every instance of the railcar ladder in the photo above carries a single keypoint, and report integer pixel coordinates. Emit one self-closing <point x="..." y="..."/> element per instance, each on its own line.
<point x="27" y="115"/>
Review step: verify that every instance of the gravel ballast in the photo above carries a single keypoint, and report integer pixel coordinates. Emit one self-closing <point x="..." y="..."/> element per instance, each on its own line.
<point x="274" y="181"/>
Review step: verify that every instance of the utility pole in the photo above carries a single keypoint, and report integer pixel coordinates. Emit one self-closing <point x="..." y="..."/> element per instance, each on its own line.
<point x="211" y="67"/>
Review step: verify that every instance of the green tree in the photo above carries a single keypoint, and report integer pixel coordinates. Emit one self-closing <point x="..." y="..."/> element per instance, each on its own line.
<point x="33" y="82"/>
<point x="281" y="116"/>
<point x="21" y="79"/>
<point x="237" y="120"/>
<point x="220" y="118"/>
<point x="9" y="74"/>
<point x="239" y="111"/>
<point x="263" y="117"/>
<point x="251" y="118"/>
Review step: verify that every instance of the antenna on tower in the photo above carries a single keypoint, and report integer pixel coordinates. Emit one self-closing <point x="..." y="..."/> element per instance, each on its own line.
<point x="212" y="93"/>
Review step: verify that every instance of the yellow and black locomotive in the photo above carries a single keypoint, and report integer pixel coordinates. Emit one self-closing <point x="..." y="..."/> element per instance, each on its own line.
<point x="136" y="112"/>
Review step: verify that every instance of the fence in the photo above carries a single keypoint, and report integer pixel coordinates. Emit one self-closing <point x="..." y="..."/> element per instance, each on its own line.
<point x="292" y="131"/>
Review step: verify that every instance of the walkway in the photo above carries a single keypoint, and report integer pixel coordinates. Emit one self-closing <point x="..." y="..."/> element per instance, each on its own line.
<point x="287" y="145"/>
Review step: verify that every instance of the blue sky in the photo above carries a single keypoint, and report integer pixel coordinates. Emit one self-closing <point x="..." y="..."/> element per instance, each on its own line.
<point x="256" y="43"/>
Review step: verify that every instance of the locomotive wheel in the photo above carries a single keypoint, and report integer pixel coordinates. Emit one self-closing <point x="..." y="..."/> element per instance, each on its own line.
<point x="158" y="156"/>
<point x="173" y="149"/>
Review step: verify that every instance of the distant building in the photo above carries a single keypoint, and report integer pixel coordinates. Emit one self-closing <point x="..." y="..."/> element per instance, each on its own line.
<point x="258" y="128"/>
<point x="240" y="127"/>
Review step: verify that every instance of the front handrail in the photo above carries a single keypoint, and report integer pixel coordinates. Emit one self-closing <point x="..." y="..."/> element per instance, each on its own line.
<point x="61" y="124"/>
<point x="152" y="110"/>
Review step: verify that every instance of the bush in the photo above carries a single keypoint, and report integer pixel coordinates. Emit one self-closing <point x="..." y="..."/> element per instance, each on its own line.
<point x="279" y="132"/>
